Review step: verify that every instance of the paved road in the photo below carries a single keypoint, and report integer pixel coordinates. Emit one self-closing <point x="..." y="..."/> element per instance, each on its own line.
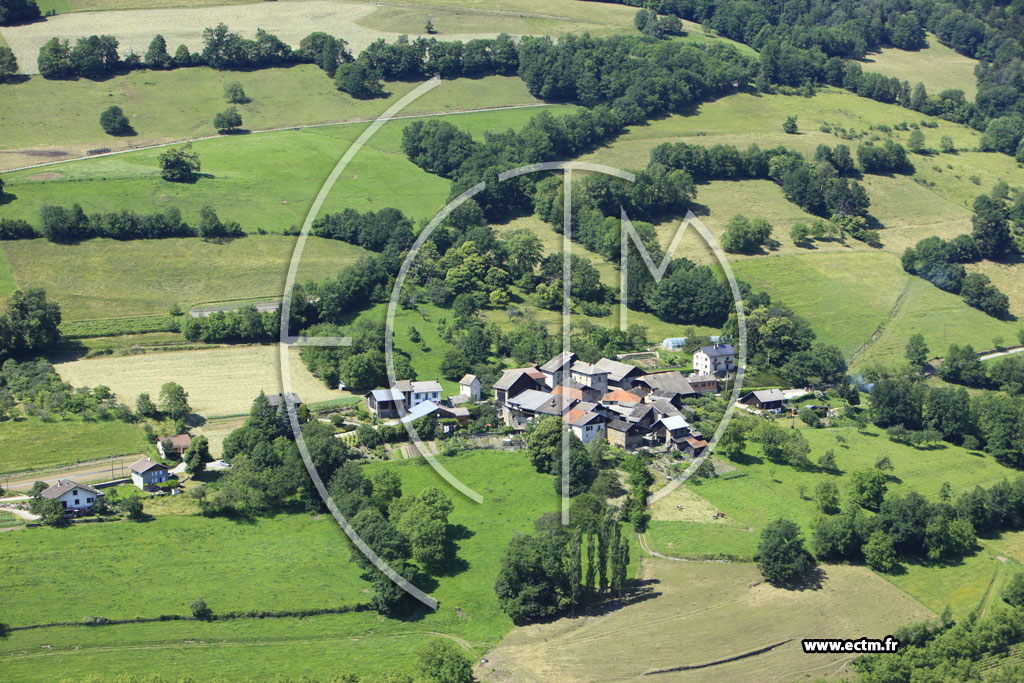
<point x="87" y="472"/>
<point x="262" y="307"/>
<point x="998" y="354"/>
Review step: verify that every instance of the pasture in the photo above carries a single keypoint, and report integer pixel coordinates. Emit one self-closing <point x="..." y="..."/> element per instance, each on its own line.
<point x="688" y="614"/>
<point x="260" y="565"/>
<point x="220" y="381"/>
<point x="103" y="278"/>
<point x="167" y="106"/>
<point x="262" y="181"/>
<point x="937" y="66"/>
<point x="770" y="491"/>
<point x="29" y="443"/>
<point x="867" y="306"/>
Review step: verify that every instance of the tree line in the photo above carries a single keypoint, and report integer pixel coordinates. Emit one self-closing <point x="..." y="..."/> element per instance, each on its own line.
<point x="409" y="532"/>
<point x="815" y="44"/>
<point x="941" y="262"/>
<point x="29" y="324"/>
<point x="69" y="225"/>
<point x="988" y="420"/>
<point x="243" y="325"/>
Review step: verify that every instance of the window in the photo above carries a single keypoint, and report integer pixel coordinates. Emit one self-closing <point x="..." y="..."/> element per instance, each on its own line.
<point x="89" y="500"/>
<point x="76" y="501"/>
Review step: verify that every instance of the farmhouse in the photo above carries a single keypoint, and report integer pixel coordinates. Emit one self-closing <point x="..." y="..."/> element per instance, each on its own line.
<point x="514" y="382"/>
<point x="558" y="368"/>
<point x="275" y="400"/>
<point x="719" y="359"/>
<point x="384" y="403"/>
<point x="532" y="403"/>
<point x="470" y="386"/>
<point x="765" y="399"/>
<point x="587" y="426"/>
<point x="388" y="404"/>
<point x="173" y="446"/>
<point x="624" y="434"/>
<point x="703" y="384"/>
<point x="693" y="446"/>
<point x="620" y="375"/>
<point x="77" y="499"/>
<point x="671" y="386"/>
<point x="590" y="377"/>
<point x="147" y="475"/>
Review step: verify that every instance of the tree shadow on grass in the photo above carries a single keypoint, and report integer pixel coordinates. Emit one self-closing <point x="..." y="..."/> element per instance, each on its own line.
<point x="7" y="197"/>
<point x="452" y="564"/>
<point x="637" y="591"/>
<point x="811" y="581"/>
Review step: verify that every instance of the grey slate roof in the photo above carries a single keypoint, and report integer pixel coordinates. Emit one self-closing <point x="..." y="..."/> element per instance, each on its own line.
<point x="616" y="370"/>
<point x="276" y="399"/>
<point x="558" y="362"/>
<point x="719" y="350"/>
<point x="766" y="395"/>
<point x="671" y="382"/>
<point x="63" y="486"/>
<point x="143" y="465"/>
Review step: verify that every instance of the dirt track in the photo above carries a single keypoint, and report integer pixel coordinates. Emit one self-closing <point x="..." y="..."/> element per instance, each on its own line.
<point x="289" y="21"/>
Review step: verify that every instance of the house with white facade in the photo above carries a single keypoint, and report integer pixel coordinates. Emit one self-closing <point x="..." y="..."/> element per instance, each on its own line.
<point x="470" y="386"/>
<point x="719" y="359"/>
<point x="77" y="499"/>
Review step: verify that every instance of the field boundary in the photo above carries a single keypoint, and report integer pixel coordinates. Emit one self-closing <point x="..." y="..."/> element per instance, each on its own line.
<point x="734" y="658"/>
<point x="893" y="313"/>
<point x="275" y="130"/>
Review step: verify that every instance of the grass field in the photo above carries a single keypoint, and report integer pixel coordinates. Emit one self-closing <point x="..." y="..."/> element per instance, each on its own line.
<point x="973" y="582"/>
<point x="937" y="66"/>
<point x="179" y="104"/>
<point x="189" y="557"/>
<point x="770" y="491"/>
<point x="262" y="181"/>
<point x="7" y="284"/>
<point x="693" y="613"/>
<point x="220" y="381"/>
<point x="29" y="443"/>
<point x="849" y="297"/>
<point x="103" y="278"/>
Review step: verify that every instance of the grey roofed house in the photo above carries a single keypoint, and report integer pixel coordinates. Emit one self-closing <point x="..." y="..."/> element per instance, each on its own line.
<point x="509" y="377"/>
<point x="418" y="387"/>
<point x="143" y="465"/>
<point x="667" y="384"/>
<point x="276" y="399"/>
<point x="664" y="408"/>
<point x="719" y="350"/>
<point x="765" y="398"/>
<point x="674" y="422"/>
<point x="585" y="368"/>
<point x="618" y="371"/>
<point x="558" y="362"/>
<point x="467" y="379"/>
<point x="534" y="401"/>
<point x="420" y="410"/>
<point x="386" y="395"/>
<point x="459" y="399"/>
<point x="640" y="412"/>
<point x="63" y="486"/>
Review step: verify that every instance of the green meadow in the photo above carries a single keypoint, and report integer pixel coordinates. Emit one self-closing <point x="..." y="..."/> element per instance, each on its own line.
<point x="179" y="104"/>
<point x="766" y="492"/>
<point x="263" y="181"/>
<point x="285" y="562"/>
<point x="101" y="278"/>
<point x="29" y="443"/>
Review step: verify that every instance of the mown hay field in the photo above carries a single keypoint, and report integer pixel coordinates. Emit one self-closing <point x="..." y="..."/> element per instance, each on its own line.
<point x="103" y="278"/>
<point x="691" y="613"/>
<point x="220" y="381"/>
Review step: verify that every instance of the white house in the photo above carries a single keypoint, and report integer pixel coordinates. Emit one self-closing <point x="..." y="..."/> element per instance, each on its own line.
<point x="77" y="499"/>
<point x="470" y="386"/>
<point x="417" y="392"/>
<point x="587" y="426"/>
<point x="147" y="474"/>
<point x="719" y="359"/>
<point x="556" y="370"/>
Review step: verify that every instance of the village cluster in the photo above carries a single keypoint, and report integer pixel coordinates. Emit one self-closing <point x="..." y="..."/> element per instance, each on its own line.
<point x="608" y="399"/>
